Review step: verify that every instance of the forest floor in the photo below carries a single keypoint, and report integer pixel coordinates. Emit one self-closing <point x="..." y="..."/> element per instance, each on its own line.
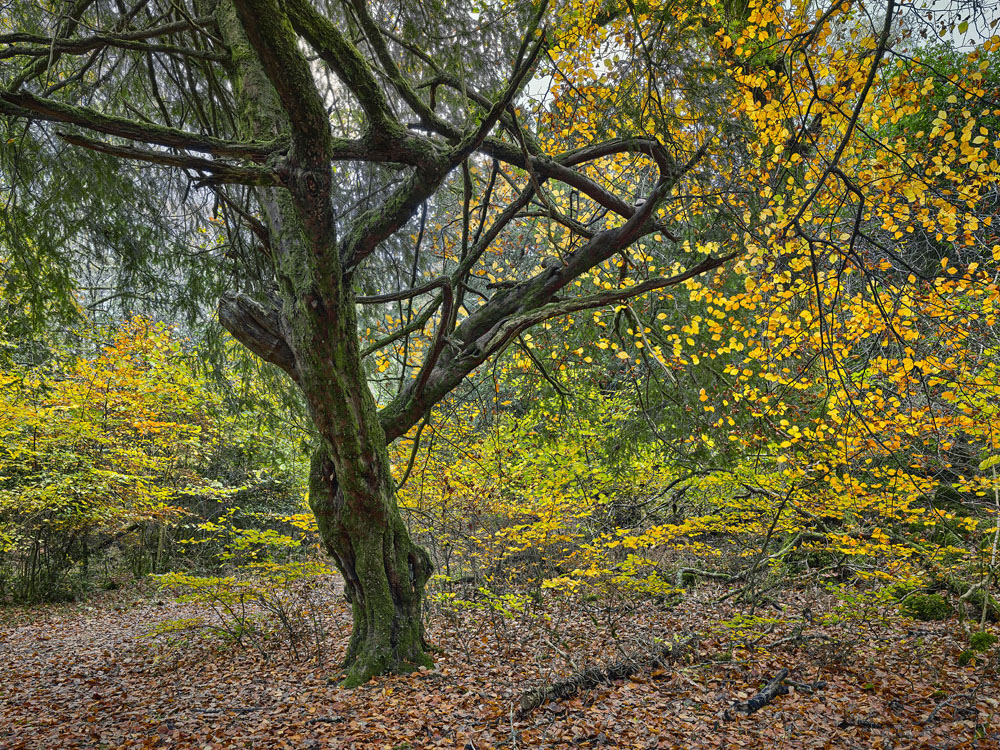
<point x="87" y="675"/>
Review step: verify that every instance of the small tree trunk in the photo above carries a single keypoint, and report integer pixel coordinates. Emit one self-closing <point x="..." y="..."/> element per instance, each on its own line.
<point x="384" y="575"/>
<point x="160" y="545"/>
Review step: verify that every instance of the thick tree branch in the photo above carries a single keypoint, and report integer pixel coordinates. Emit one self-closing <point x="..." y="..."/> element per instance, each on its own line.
<point x="349" y="66"/>
<point x="502" y="319"/>
<point x="376" y="225"/>
<point x="560" y="168"/>
<point x="87" y="43"/>
<point x="649" y="146"/>
<point x="22" y="104"/>
<point x="381" y="222"/>
<point x="220" y="172"/>
<point x="258" y="329"/>
<point x="514" y="326"/>
<point x="270" y="34"/>
<point x="168" y="49"/>
<point x="43" y="46"/>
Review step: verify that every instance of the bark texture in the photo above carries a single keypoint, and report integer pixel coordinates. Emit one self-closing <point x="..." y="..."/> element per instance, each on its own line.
<point x="384" y="576"/>
<point x="314" y="338"/>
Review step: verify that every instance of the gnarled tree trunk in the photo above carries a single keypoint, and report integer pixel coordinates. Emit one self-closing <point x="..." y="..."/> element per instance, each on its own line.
<point x="352" y="491"/>
<point x="384" y="575"/>
<point x="314" y="338"/>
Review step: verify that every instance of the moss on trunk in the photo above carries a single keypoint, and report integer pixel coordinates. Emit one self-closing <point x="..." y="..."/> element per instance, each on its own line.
<point x="351" y="486"/>
<point x="384" y="576"/>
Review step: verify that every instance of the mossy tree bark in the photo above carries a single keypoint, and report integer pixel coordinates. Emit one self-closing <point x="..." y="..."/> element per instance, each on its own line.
<point x="384" y="575"/>
<point x="352" y="491"/>
<point x="351" y="488"/>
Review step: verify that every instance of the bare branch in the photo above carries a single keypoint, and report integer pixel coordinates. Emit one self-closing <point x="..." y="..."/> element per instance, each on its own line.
<point x="405" y="293"/>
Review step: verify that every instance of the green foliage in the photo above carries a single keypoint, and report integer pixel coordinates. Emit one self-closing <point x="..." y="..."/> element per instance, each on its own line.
<point x="982" y="641"/>
<point x="554" y="501"/>
<point x="266" y="587"/>
<point x="926" y="607"/>
<point x="104" y="449"/>
<point x="99" y="212"/>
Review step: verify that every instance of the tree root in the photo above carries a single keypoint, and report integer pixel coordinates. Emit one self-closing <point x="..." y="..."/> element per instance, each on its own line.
<point x="593" y="676"/>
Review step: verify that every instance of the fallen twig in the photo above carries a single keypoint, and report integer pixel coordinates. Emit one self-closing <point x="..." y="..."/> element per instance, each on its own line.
<point x="946" y="702"/>
<point x="807" y="687"/>
<point x="860" y="724"/>
<point x="768" y="693"/>
<point x="594" y="676"/>
<point x="231" y="709"/>
<point x="325" y="720"/>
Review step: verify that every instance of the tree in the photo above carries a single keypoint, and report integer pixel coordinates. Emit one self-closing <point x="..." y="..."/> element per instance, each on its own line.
<point x="99" y="451"/>
<point x="248" y="107"/>
<point x="339" y="139"/>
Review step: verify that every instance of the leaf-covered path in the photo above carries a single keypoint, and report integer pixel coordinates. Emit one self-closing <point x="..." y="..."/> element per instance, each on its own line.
<point x="83" y="676"/>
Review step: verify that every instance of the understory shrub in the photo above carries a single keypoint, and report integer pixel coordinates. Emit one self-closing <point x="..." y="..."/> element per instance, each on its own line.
<point x="926" y="607"/>
<point x="108" y="451"/>
<point x="267" y="590"/>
